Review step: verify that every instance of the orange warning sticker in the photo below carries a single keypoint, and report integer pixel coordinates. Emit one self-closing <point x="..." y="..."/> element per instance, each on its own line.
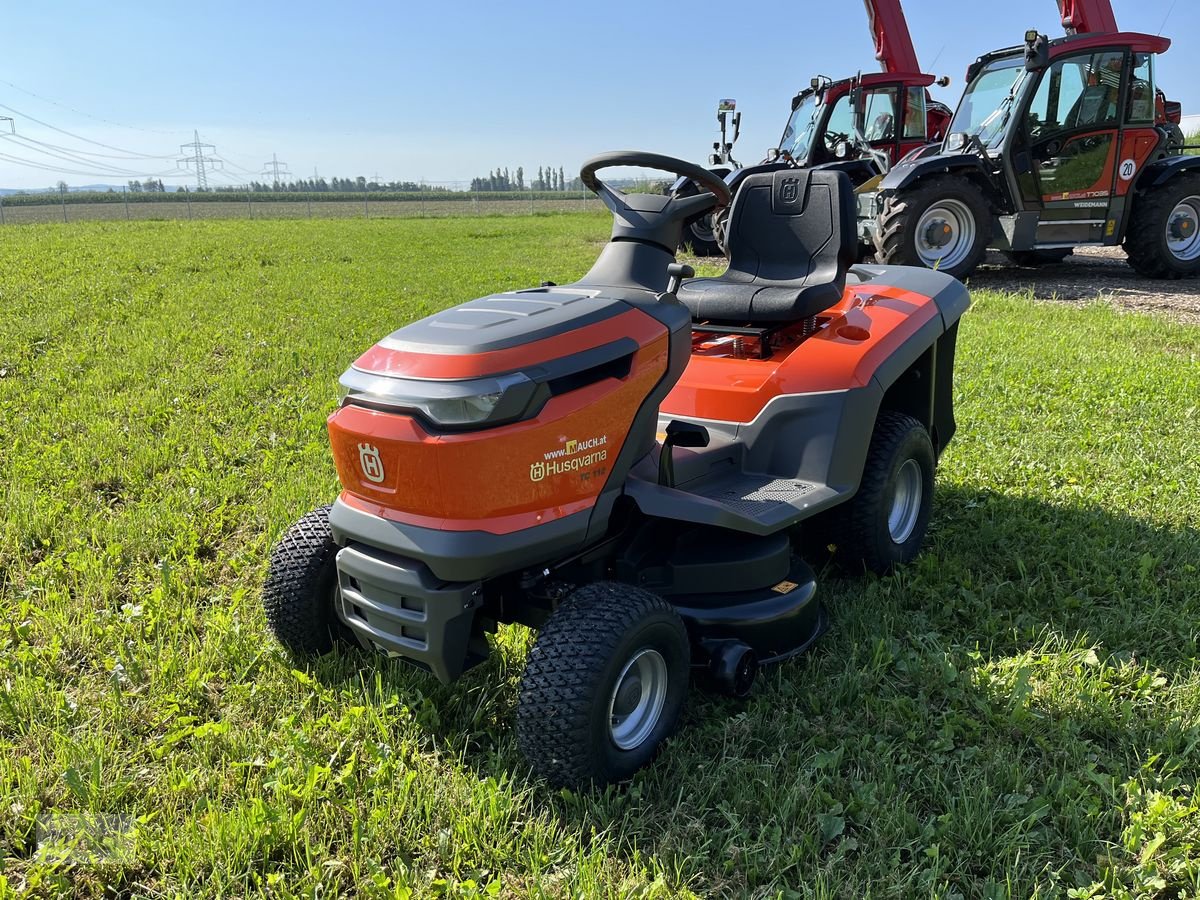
<point x="785" y="587"/>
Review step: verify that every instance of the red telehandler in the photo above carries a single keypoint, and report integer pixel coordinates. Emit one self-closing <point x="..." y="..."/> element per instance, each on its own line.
<point x="861" y="125"/>
<point x="1055" y="144"/>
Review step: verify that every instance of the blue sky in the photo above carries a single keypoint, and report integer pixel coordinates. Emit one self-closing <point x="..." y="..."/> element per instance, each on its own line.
<point x="446" y="91"/>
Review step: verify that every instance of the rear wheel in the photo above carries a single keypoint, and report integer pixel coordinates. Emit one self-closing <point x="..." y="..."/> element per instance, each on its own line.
<point x="1163" y="240"/>
<point x="884" y="524"/>
<point x="941" y="223"/>
<point x="1032" y="259"/>
<point x="301" y="593"/>
<point x="604" y="685"/>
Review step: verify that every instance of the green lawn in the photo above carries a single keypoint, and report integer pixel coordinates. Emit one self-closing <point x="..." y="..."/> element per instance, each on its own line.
<point x="1015" y="715"/>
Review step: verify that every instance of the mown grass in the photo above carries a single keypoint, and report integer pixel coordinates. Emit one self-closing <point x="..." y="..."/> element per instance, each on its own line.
<point x="1015" y="715"/>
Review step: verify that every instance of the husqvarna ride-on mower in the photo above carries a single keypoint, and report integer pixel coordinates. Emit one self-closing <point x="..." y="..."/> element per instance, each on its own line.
<point x="626" y="464"/>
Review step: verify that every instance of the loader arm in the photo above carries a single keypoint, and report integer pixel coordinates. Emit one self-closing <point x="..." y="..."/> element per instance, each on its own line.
<point x="1088" y="16"/>
<point x="893" y="42"/>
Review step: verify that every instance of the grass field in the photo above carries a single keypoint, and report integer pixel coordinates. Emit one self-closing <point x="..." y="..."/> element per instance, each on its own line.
<point x="1016" y="715"/>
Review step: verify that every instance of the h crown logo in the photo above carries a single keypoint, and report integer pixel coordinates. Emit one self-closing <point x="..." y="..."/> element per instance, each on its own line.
<point x="789" y="191"/>
<point x="372" y="465"/>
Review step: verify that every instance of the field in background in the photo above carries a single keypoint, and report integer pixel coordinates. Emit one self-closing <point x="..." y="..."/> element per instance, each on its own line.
<point x="151" y="207"/>
<point x="1014" y="715"/>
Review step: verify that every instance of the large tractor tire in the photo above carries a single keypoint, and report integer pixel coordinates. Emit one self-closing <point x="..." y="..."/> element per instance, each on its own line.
<point x="940" y="223"/>
<point x="1163" y="240"/>
<point x="604" y="685"/>
<point x="701" y="238"/>
<point x="884" y="524"/>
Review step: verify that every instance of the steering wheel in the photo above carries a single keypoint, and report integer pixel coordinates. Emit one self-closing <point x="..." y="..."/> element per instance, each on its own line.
<point x="715" y="192"/>
<point x="833" y="138"/>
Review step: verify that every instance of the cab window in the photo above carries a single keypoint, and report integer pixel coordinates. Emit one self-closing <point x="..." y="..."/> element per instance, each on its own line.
<point x="879" y="118"/>
<point x="1081" y="91"/>
<point x="915" y="115"/>
<point x="1140" y="110"/>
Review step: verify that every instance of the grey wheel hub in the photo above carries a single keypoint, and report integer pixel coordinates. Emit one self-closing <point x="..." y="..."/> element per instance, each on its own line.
<point x="906" y="501"/>
<point x="637" y="699"/>
<point x="945" y="234"/>
<point x="1183" y="229"/>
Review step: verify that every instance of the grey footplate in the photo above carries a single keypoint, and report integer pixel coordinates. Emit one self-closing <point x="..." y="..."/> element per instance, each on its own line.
<point x="752" y="503"/>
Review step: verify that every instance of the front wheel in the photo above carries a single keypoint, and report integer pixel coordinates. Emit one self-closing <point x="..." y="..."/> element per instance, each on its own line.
<point x="941" y="223"/>
<point x="1163" y="240"/>
<point x="884" y="524"/>
<point x="604" y="685"/>
<point x="301" y="592"/>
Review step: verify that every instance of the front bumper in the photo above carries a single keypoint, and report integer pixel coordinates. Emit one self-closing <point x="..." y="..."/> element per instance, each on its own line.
<point x="397" y="606"/>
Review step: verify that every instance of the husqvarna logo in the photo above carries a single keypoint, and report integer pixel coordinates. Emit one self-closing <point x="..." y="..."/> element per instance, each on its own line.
<point x="537" y="471"/>
<point x="372" y="465"/>
<point x="789" y="191"/>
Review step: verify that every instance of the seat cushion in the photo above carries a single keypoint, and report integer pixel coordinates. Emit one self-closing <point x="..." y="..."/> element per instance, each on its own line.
<point x="792" y="236"/>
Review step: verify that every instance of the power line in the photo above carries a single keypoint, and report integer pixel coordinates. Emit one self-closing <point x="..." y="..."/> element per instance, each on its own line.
<point x="72" y="158"/>
<point x="80" y="137"/>
<point x="78" y="112"/>
<point x="201" y="163"/>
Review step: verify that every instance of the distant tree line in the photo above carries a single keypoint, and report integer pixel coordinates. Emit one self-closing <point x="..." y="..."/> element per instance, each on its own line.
<point x="149" y="186"/>
<point x="547" y="180"/>
<point x="333" y="186"/>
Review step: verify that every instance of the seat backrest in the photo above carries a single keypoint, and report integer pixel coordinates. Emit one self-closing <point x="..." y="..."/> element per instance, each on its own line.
<point x="793" y="228"/>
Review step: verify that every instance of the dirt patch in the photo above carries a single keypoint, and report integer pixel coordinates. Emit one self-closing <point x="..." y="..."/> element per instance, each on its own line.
<point x="1090" y="274"/>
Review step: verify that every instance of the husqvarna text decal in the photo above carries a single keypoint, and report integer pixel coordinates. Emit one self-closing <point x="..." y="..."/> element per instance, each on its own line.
<point x="573" y="456"/>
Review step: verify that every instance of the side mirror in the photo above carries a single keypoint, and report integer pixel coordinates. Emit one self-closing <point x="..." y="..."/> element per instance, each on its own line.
<point x="842" y="150"/>
<point x="956" y="142"/>
<point x="1037" y="51"/>
<point x="773" y="154"/>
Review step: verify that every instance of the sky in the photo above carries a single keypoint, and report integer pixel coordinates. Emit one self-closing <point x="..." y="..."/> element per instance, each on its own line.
<point x="443" y="92"/>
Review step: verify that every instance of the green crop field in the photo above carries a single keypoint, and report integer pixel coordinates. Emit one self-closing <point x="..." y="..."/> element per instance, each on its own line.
<point x="1017" y="714"/>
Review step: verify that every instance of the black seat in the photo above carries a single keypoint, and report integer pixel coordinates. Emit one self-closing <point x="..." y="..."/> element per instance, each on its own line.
<point x="792" y="236"/>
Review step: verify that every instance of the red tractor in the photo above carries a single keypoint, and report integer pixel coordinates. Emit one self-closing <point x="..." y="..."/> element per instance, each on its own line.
<point x="1055" y="144"/>
<point x="861" y="125"/>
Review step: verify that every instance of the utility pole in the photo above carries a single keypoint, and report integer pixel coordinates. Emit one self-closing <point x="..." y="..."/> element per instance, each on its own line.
<point x="274" y="168"/>
<point x="199" y="161"/>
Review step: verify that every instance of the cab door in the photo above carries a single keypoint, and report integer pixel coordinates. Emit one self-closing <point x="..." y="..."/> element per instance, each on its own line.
<point x="1072" y="134"/>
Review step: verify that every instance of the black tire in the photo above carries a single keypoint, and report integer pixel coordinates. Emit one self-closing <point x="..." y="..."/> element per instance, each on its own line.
<point x="700" y="237"/>
<point x="298" y="595"/>
<point x="1147" y="241"/>
<point x="896" y="239"/>
<point x="862" y="532"/>
<point x="563" y="714"/>
<point x="1032" y="259"/>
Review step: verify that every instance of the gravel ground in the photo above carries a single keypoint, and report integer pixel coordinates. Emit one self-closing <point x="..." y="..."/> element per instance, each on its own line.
<point x="1094" y="273"/>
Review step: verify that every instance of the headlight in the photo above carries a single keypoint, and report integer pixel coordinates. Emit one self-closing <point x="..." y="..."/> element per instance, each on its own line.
<point x="446" y="404"/>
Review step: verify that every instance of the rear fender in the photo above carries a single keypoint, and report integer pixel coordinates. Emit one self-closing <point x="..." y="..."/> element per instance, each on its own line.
<point x="1159" y="173"/>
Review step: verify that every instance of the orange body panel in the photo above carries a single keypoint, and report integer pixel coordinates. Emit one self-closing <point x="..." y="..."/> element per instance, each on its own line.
<point x="1136" y="144"/>
<point x="859" y="333"/>
<point x="383" y="360"/>
<point x="506" y="478"/>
